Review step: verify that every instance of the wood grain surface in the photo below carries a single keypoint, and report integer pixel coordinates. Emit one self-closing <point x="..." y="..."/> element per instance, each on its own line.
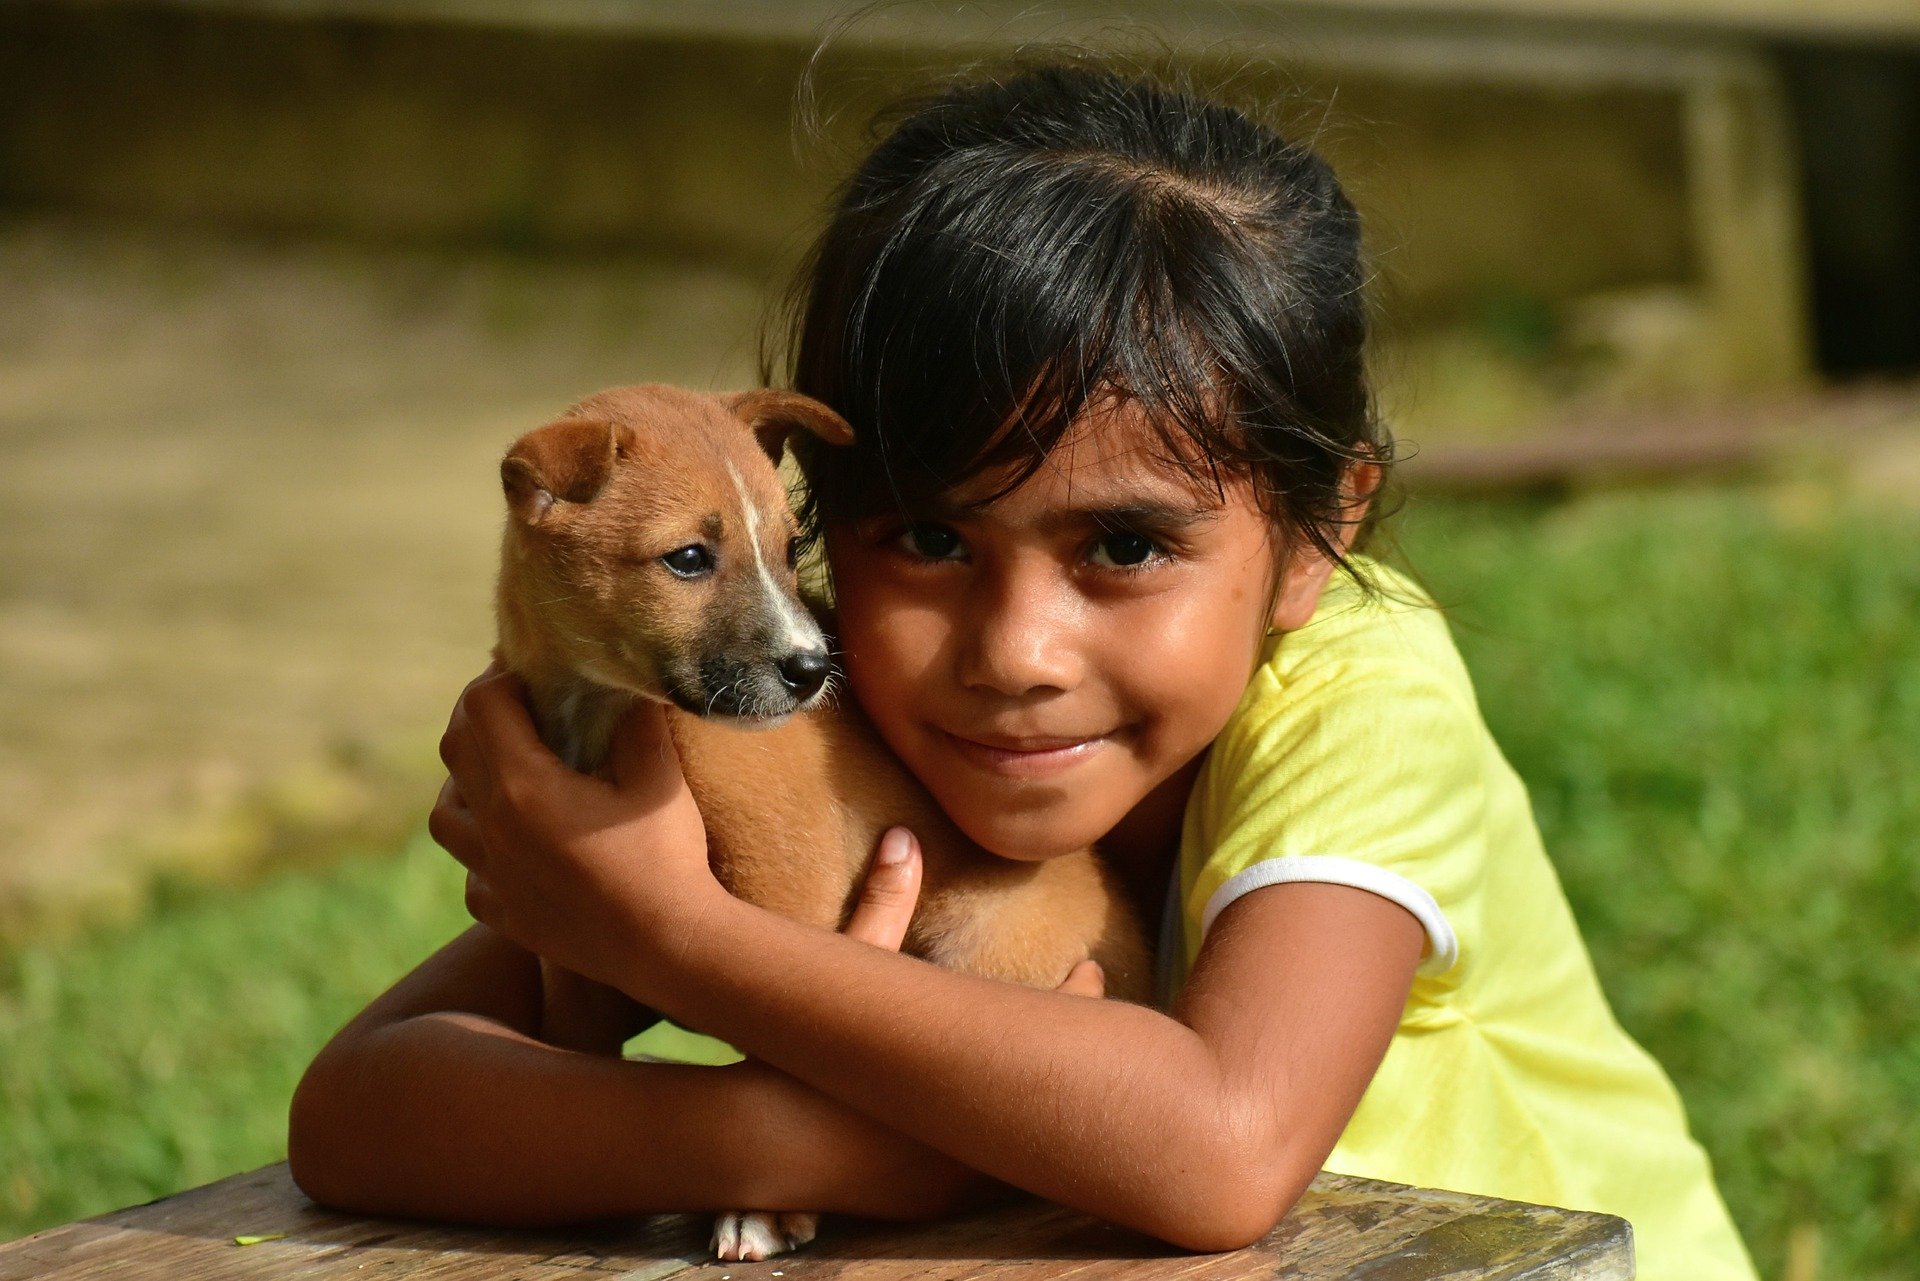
<point x="1342" y="1228"/>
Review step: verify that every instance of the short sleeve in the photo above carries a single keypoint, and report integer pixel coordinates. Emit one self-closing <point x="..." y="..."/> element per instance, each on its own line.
<point x="1369" y="774"/>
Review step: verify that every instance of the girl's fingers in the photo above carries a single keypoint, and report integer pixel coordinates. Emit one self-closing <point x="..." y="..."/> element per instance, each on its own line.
<point x="496" y="712"/>
<point x="1085" y="979"/>
<point x="491" y="747"/>
<point x="887" y="900"/>
<point x="458" y="745"/>
<point x="454" y="829"/>
<point x="481" y="904"/>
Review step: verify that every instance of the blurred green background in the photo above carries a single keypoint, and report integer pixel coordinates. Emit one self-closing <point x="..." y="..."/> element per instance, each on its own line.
<point x="279" y="290"/>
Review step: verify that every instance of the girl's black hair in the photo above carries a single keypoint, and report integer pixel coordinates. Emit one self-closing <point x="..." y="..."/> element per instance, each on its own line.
<point x="1022" y="244"/>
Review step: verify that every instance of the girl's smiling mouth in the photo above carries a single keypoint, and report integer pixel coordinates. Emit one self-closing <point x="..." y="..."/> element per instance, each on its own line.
<point x="1037" y="756"/>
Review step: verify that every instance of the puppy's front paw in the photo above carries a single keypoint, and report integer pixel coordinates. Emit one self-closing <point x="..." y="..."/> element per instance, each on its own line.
<point x="746" y="1235"/>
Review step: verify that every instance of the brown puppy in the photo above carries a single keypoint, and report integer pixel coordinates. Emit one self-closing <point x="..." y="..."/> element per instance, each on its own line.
<point x="650" y="553"/>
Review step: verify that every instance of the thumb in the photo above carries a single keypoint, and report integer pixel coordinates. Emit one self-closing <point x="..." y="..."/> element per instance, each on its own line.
<point x="887" y="899"/>
<point x="1085" y="979"/>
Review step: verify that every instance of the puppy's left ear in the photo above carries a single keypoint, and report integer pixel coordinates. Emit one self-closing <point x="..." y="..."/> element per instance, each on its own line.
<point x="773" y="415"/>
<point x="569" y="460"/>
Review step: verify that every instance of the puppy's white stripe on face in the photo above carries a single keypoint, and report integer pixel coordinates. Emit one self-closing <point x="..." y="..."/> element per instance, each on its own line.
<point x="801" y="632"/>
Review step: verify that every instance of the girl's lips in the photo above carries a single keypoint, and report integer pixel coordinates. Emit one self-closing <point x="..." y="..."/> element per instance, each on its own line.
<point x="1026" y="757"/>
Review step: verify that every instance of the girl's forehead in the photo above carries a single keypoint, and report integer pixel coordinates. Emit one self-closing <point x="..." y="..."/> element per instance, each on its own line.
<point x="1111" y="459"/>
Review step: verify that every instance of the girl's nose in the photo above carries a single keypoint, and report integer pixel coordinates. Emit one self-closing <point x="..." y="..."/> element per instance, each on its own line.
<point x="1018" y="634"/>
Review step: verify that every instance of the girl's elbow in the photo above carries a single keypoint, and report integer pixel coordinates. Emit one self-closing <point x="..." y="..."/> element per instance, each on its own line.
<point x="329" y="1155"/>
<point x="1229" y="1226"/>
<point x="1232" y="1200"/>
<point x="313" y="1156"/>
<point x="319" y="1179"/>
<point x="313" y="1139"/>
<point x="1229" y="1221"/>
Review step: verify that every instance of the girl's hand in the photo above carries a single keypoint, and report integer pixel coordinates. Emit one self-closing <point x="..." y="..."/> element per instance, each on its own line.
<point x="568" y="866"/>
<point x="892" y="890"/>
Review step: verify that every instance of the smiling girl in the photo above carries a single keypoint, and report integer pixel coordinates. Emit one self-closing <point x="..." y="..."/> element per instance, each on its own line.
<point x="1100" y="342"/>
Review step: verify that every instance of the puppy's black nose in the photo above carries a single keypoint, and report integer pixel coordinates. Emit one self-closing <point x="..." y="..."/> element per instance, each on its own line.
<point x="804" y="672"/>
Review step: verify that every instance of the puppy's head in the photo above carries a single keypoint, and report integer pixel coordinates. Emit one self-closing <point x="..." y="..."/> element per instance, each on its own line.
<point x="650" y="547"/>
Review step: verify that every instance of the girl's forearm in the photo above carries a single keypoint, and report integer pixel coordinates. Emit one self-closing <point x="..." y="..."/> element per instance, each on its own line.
<point x="1031" y="1087"/>
<point x="453" y="1116"/>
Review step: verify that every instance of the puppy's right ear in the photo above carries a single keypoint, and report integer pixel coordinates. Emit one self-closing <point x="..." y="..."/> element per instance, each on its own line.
<point x="773" y="415"/>
<point x="569" y="460"/>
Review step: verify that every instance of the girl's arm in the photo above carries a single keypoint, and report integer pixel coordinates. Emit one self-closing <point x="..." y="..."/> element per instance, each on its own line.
<point x="1201" y="1128"/>
<point x="437" y="1101"/>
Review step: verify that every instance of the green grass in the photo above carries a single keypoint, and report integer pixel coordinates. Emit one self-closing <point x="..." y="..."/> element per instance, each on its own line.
<point x="143" y="1060"/>
<point x="1714" y="696"/>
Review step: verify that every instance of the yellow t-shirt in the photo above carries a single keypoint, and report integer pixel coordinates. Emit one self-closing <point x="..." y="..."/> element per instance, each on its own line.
<point x="1358" y="756"/>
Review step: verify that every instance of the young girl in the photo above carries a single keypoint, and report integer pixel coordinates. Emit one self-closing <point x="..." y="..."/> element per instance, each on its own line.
<point x="1101" y="345"/>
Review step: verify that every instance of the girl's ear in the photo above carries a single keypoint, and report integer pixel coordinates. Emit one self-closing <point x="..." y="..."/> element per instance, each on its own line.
<point x="773" y="415"/>
<point x="1309" y="568"/>
<point x="1305" y="578"/>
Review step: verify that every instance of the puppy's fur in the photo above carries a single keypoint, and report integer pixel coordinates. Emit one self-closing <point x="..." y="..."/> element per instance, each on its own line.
<point x="649" y="554"/>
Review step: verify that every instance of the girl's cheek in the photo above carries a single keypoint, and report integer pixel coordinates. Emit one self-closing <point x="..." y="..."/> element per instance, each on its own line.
<point x="1197" y="674"/>
<point x="883" y="654"/>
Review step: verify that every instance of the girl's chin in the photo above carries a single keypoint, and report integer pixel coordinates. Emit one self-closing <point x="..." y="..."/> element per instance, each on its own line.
<point x="1027" y="838"/>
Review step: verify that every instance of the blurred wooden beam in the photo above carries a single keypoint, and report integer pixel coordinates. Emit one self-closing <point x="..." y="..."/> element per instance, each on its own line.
<point x="1655" y="448"/>
<point x="1742" y="181"/>
<point x="1586" y="461"/>
<point x="1853" y="21"/>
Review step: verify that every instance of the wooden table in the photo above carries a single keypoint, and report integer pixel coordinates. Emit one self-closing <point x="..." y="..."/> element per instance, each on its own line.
<point x="1343" y="1227"/>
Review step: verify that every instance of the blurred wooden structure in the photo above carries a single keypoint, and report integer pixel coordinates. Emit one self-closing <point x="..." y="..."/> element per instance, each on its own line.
<point x="1549" y="147"/>
<point x="1342" y="1227"/>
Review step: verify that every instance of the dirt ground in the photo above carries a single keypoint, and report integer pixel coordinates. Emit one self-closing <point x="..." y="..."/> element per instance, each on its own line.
<point x="248" y="515"/>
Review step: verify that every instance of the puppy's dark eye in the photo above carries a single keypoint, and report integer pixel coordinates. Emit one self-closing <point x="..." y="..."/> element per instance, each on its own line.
<point x="689" y="562"/>
<point x="793" y="553"/>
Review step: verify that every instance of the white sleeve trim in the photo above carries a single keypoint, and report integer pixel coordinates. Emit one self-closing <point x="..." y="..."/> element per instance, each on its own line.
<point x="1443" y="948"/>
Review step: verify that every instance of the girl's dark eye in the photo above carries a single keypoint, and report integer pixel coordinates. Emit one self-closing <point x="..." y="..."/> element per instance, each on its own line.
<point x="1124" y="549"/>
<point x="931" y="542"/>
<point x="689" y="562"/>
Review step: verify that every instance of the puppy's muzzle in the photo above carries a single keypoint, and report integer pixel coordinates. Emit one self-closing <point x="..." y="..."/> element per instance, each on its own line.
<point x="757" y="689"/>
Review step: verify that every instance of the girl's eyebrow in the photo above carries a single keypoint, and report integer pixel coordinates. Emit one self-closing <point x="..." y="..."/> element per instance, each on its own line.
<point x="1120" y="514"/>
<point x="1167" y="518"/>
<point x="1134" y="516"/>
